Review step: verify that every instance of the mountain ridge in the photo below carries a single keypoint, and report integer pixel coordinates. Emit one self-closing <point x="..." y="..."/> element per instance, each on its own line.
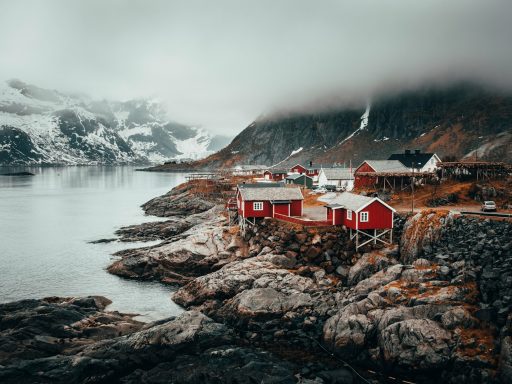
<point x="47" y="127"/>
<point x="460" y="121"/>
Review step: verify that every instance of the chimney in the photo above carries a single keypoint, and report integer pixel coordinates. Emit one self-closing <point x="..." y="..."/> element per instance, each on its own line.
<point x="407" y="151"/>
<point x="417" y="151"/>
<point x="310" y="163"/>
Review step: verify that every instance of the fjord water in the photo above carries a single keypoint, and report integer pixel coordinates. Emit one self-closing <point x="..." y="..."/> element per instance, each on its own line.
<point x="47" y="220"/>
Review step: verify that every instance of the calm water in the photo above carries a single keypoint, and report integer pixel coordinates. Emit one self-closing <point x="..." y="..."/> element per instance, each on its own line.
<point x="47" y="220"/>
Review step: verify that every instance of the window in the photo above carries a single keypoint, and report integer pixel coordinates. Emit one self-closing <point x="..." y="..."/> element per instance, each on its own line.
<point x="364" y="217"/>
<point x="349" y="215"/>
<point x="257" y="206"/>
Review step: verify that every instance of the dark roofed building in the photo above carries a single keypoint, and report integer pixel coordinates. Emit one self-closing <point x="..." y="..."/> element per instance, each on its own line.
<point x="420" y="161"/>
<point x="300" y="179"/>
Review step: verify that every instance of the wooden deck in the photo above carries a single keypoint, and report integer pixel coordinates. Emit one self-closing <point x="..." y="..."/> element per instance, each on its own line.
<point x="303" y="221"/>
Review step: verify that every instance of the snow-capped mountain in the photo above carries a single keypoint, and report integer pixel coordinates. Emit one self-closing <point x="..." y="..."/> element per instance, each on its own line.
<point x="41" y="126"/>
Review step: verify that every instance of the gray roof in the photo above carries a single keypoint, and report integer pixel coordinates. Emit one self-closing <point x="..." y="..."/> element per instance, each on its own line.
<point x="350" y="201"/>
<point x="260" y="185"/>
<point x="294" y="176"/>
<point x="338" y="173"/>
<point x="271" y="193"/>
<point x="387" y="166"/>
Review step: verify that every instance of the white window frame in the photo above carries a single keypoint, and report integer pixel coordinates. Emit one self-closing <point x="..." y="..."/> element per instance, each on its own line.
<point x="257" y="205"/>
<point x="364" y="217"/>
<point x="349" y="214"/>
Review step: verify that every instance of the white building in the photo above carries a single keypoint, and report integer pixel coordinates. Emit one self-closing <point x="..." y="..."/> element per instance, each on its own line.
<point x="339" y="177"/>
<point x="420" y="161"/>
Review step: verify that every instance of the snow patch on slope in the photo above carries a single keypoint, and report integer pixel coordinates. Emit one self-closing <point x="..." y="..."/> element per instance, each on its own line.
<point x="362" y="125"/>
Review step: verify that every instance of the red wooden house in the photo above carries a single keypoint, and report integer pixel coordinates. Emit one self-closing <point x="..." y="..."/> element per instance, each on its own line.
<point x="363" y="215"/>
<point x="368" y="173"/>
<point x="309" y="171"/>
<point x="275" y="174"/>
<point x="266" y="202"/>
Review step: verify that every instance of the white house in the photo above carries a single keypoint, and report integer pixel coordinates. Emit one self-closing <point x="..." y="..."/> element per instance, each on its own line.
<point x="339" y="177"/>
<point x="420" y="161"/>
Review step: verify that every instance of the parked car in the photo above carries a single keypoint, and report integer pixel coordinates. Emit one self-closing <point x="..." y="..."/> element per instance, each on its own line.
<point x="488" y="206"/>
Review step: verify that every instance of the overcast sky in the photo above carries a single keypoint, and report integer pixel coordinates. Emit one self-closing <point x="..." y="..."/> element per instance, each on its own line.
<point x="220" y="64"/>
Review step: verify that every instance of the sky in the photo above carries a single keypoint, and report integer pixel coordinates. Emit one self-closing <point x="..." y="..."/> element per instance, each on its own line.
<point x="221" y="64"/>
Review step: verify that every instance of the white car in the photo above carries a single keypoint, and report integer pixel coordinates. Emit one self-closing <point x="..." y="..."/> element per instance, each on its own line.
<point x="488" y="206"/>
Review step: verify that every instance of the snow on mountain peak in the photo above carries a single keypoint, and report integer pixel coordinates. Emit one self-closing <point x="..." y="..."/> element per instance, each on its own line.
<point x="40" y="126"/>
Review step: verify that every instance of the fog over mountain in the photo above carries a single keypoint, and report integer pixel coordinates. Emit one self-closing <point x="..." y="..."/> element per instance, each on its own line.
<point x="221" y="64"/>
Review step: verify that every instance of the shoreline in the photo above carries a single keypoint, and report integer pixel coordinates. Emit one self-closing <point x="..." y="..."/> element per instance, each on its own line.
<point x="283" y="290"/>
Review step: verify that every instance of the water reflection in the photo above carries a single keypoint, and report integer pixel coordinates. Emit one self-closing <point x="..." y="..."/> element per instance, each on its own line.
<point x="46" y="221"/>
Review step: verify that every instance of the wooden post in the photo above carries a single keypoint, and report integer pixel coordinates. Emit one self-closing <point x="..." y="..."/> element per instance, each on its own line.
<point x="375" y="237"/>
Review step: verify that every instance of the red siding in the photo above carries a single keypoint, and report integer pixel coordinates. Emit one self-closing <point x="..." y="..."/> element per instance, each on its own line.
<point x="338" y="216"/>
<point x="250" y="212"/>
<point x="380" y="217"/>
<point x="298" y="169"/>
<point x="283" y="209"/>
<point x="365" y="167"/>
<point x="329" y="214"/>
<point x="296" y="208"/>
<point x="361" y="181"/>
<point x="268" y="210"/>
<point x="278" y="176"/>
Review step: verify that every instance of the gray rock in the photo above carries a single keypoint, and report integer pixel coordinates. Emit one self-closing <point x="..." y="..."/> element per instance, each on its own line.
<point x="416" y="344"/>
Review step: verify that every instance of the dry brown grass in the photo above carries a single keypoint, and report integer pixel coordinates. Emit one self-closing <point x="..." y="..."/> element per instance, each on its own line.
<point x="311" y="200"/>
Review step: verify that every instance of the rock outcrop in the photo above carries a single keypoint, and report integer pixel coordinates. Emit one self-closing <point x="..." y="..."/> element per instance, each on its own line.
<point x="190" y="348"/>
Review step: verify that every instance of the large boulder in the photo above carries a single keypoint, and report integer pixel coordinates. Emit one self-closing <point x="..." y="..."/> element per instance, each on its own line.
<point x="367" y="265"/>
<point x="257" y="272"/>
<point x="416" y="344"/>
<point x="264" y="303"/>
<point x="421" y="232"/>
<point x="105" y="361"/>
<point x="198" y="251"/>
<point x="31" y="329"/>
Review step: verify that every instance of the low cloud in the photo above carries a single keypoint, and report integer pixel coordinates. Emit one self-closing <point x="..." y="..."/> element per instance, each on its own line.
<point x="220" y="64"/>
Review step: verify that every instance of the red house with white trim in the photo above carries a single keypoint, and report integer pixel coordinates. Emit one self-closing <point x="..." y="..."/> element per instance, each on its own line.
<point x="275" y="174"/>
<point x="367" y="216"/>
<point x="309" y="171"/>
<point x="265" y="202"/>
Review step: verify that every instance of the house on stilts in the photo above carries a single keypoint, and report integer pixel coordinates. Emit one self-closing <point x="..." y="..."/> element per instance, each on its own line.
<point x="368" y="219"/>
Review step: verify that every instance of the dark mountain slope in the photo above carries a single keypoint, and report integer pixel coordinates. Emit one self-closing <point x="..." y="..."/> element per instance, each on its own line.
<point x="461" y="120"/>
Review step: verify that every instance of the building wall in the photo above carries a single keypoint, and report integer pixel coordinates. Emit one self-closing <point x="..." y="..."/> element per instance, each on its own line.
<point x="250" y="212"/>
<point x="338" y="216"/>
<point x="300" y="181"/>
<point x="283" y="209"/>
<point x="364" y="181"/>
<point x="296" y="208"/>
<point x="380" y="217"/>
<point x="328" y="214"/>
<point x="431" y="165"/>
<point x="298" y="169"/>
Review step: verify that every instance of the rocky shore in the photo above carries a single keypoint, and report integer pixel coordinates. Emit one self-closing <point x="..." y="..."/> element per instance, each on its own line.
<point x="286" y="304"/>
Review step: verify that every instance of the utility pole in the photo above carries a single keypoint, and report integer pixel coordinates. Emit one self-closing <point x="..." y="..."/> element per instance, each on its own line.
<point x="412" y="189"/>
